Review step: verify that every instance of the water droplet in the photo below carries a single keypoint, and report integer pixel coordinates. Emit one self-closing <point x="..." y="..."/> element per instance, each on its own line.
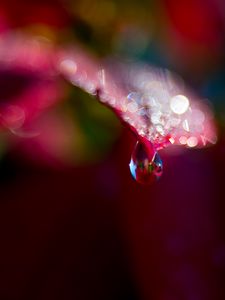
<point x="145" y="164"/>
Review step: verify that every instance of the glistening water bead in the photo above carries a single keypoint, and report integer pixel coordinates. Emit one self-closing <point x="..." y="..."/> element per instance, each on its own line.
<point x="145" y="164"/>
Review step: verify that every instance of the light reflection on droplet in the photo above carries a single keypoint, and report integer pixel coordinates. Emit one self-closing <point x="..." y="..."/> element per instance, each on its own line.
<point x="133" y="97"/>
<point x="159" y="128"/>
<point x="186" y="125"/>
<point x="90" y="88"/>
<point x="179" y="104"/>
<point x="145" y="165"/>
<point x="203" y="139"/>
<point x="155" y="117"/>
<point x="183" y="140"/>
<point x="101" y="76"/>
<point x="172" y="141"/>
<point x="68" y="67"/>
<point x="192" y="141"/>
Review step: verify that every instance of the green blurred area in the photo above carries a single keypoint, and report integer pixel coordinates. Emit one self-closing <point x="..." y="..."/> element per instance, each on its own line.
<point x="96" y="126"/>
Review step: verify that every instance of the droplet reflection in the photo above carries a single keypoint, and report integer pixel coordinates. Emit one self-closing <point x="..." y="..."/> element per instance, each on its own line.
<point x="145" y="165"/>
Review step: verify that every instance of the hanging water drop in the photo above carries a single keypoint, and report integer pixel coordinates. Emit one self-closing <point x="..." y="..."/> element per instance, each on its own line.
<point x="145" y="164"/>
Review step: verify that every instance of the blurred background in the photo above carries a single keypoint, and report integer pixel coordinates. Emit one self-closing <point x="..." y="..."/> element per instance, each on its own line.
<point x="73" y="223"/>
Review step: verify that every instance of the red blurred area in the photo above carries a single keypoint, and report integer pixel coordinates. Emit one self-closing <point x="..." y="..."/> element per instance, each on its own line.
<point x="26" y="13"/>
<point x="94" y="227"/>
<point x="197" y="20"/>
<point x="194" y="35"/>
